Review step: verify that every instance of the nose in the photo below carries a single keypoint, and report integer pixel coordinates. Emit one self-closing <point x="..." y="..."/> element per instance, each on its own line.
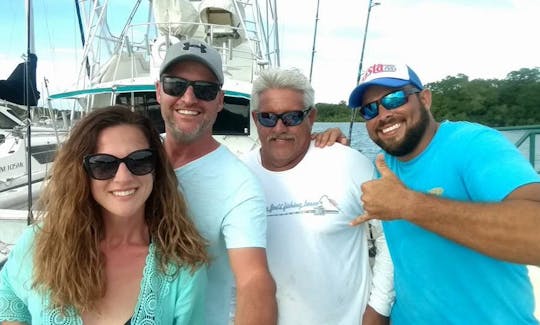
<point x="383" y="112"/>
<point x="280" y="126"/>
<point x="122" y="173"/>
<point x="189" y="96"/>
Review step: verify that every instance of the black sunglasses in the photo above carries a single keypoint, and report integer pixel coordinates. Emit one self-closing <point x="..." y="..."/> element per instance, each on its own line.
<point x="292" y="118"/>
<point x="102" y="166"/>
<point x="389" y="101"/>
<point x="204" y="90"/>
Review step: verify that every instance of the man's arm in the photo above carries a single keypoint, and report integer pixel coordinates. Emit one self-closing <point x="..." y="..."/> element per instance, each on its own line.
<point x="506" y="230"/>
<point x="372" y="317"/>
<point x="328" y="137"/>
<point x="382" y="294"/>
<point x="255" y="288"/>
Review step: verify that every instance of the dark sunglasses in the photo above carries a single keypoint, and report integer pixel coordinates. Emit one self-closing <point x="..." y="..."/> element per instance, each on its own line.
<point x="103" y="166"/>
<point x="289" y="118"/>
<point x="389" y="101"/>
<point x="204" y="90"/>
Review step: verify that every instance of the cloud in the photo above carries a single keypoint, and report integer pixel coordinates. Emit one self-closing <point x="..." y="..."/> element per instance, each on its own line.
<point x="482" y="39"/>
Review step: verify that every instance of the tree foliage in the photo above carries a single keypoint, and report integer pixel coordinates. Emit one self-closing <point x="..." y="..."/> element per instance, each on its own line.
<point x="512" y="101"/>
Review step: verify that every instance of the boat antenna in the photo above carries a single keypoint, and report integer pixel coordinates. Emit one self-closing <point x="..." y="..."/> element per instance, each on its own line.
<point x="81" y="30"/>
<point x="354" y="112"/>
<point x="314" y="39"/>
<point x="29" y="51"/>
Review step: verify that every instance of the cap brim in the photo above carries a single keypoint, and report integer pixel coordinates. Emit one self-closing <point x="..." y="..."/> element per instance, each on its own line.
<point x="355" y="99"/>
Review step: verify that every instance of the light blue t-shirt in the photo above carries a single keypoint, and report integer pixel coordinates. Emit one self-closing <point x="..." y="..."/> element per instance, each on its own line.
<point x="438" y="281"/>
<point x="163" y="299"/>
<point x="227" y="205"/>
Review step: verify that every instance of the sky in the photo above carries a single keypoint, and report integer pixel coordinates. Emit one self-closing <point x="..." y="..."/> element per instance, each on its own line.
<point x="437" y="38"/>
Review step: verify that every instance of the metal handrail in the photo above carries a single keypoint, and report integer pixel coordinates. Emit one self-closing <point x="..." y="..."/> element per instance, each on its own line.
<point x="530" y="132"/>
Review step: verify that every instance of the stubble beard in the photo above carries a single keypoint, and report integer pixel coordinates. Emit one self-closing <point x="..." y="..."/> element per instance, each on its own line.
<point x="182" y="136"/>
<point x="410" y="141"/>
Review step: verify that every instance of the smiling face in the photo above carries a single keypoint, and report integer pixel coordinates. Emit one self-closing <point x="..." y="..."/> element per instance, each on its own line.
<point x="124" y="195"/>
<point x="404" y="131"/>
<point x="283" y="147"/>
<point x="188" y="118"/>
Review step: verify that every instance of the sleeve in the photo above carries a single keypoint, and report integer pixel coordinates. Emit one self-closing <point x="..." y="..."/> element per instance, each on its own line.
<point x="12" y="306"/>
<point x="494" y="167"/>
<point x="382" y="293"/>
<point x="190" y="303"/>
<point x="245" y="221"/>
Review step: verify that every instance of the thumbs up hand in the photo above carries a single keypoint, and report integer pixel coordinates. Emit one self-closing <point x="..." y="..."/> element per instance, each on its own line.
<point x="384" y="198"/>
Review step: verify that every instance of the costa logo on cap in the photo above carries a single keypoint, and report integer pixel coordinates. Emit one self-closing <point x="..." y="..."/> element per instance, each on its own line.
<point x="378" y="68"/>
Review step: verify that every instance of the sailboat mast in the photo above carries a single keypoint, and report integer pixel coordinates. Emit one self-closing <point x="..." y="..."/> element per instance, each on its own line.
<point x="29" y="50"/>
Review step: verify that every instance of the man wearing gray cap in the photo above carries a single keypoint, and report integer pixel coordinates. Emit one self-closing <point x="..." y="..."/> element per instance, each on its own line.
<point x="460" y="204"/>
<point x="224" y="198"/>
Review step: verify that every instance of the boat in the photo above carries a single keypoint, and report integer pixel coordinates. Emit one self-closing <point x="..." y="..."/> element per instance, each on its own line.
<point x="24" y="128"/>
<point x="121" y="67"/>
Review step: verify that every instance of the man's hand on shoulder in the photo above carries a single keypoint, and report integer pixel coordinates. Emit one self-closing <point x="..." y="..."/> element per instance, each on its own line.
<point x="328" y="137"/>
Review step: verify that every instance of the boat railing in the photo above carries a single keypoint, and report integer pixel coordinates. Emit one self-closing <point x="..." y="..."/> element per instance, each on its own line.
<point x="524" y="137"/>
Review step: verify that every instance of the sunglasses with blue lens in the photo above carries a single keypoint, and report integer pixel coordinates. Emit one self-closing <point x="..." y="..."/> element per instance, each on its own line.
<point x="291" y="118"/>
<point x="389" y="101"/>
<point x="203" y="90"/>
<point x="102" y="166"/>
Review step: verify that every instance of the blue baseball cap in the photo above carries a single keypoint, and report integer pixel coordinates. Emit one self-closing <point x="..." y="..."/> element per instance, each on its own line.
<point x="385" y="75"/>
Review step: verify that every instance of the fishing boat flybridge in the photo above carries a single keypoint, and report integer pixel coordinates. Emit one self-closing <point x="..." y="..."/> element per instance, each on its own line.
<point x="121" y="67"/>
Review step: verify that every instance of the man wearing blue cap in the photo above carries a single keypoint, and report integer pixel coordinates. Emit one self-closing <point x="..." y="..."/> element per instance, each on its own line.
<point x="460" y="204"/>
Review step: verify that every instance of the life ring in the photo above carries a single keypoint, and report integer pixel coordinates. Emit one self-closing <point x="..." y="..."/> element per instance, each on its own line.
<point x="160" y="46"/>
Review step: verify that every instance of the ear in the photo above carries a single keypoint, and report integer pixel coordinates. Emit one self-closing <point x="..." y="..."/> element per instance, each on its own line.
<point x="312" y="115"/>
<point x="254" y="117"/>
<point x="425" y="98"/>
<point x="221" y="100"/>
<point x="158" y="91"/>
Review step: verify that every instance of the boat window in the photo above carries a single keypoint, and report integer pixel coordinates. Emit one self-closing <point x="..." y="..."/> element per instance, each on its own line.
<point x="6" y="122"/>
<point x="145" y="103"/>
<point x="233" y="118"/>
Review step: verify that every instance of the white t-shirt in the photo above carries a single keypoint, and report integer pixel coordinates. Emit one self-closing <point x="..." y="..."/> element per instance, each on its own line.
<point x="319" y="262"/>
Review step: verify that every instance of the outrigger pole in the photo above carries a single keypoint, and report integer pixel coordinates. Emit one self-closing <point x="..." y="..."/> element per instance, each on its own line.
<point x="29" y="51"/>
<point x="314" y="39"/>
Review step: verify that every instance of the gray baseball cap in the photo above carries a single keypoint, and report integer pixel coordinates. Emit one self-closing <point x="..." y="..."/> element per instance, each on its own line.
<point x="194" y="50"/>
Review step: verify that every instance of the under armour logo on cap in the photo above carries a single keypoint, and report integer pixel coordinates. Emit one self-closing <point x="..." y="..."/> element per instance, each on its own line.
<point x="187" y="45"/>
<point x="194" y="50"/>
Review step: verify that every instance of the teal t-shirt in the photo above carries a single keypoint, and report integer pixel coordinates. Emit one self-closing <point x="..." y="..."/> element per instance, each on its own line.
<point x="227" y="204"/>
<point x="162" y="299"/>
<point x="438" y="281"/>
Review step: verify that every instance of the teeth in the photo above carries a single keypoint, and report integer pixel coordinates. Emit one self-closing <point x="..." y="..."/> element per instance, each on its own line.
<point x="187" y="112"/>
<point x="123" y="193"/>
<point x="391" y="128"/>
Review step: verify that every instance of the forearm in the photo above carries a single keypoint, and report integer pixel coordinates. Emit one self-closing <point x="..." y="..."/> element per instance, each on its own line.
<point x="382" y="292"/>
<point x="256" y="301"/>
<point x="507" y="230"/>
<point x="372" y="317"/>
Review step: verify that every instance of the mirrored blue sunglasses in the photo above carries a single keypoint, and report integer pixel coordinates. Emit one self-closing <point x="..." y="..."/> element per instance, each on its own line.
<point x="291" y="118"/>
<point x="389" y="101"/>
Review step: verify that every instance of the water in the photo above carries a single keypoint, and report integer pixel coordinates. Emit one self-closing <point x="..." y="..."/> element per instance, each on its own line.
<point x="362" y="142"/>
<point x="360" y="139"/>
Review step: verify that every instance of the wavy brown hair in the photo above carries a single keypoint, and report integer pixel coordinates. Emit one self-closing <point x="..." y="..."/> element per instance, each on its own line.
<point x="68" y="262"/>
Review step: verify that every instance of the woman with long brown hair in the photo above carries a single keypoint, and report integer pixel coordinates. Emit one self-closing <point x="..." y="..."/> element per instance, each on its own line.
<point x="114" y="242"/>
